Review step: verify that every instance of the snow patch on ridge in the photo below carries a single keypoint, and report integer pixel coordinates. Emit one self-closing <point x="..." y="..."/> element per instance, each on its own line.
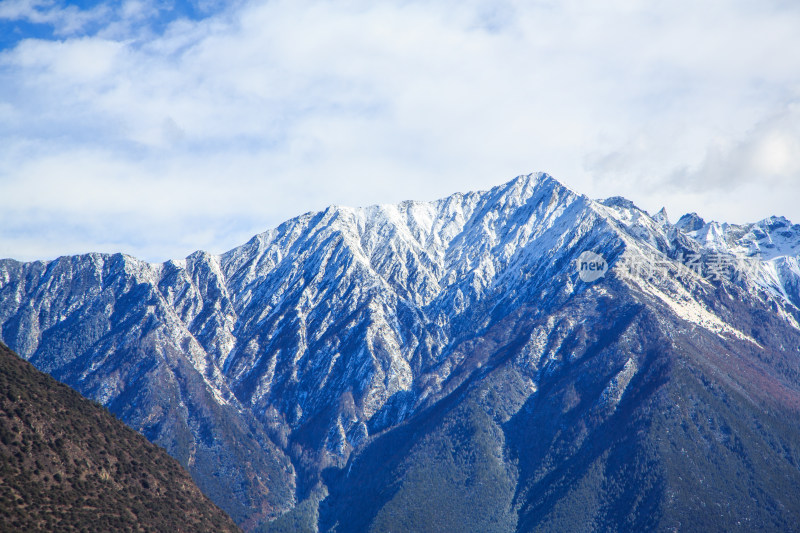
<point x="612" y="394"/>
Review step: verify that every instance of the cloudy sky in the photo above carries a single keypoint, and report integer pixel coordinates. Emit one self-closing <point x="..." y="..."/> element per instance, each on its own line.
<point x="158" y="128"/>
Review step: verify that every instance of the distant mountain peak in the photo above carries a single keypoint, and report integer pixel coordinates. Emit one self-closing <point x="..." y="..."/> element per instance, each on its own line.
<point x="618" y="201"/>
<point x="690" y="222"/>
<point x="662" y="217"/>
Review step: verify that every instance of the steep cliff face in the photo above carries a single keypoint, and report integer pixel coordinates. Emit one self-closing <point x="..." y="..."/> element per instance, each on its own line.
<point x="275" y="368"/>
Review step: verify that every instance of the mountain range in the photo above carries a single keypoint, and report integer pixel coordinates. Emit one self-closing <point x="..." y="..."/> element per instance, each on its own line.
<point x="518" y="359"/>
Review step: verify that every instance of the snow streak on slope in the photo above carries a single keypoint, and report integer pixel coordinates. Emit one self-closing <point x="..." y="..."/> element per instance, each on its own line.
<point x="672" y="262"/>
<point x="325" y="331"/>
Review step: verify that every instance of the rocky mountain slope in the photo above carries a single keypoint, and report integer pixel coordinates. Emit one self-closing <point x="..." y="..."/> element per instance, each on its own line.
<point x="67" y="464"/>
<point x="350" y="355"/>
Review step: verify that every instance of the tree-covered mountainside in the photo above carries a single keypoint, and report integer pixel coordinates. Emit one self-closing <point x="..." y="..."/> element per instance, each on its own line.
<point x="703" y="435"/>
<point x="67" y="464"/>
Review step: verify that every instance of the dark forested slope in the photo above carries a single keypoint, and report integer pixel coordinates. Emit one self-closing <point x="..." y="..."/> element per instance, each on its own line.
<point x="66" y="464"/>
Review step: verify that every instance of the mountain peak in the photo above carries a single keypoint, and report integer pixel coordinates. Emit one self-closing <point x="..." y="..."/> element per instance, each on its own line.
<point x="777" y="222"/>
<point x="690" y="222"/>
<point x="525" y="185"/>
<point x="662" y="217"/>
<point x="618" y="201"/>
<point x="316" y="343"/>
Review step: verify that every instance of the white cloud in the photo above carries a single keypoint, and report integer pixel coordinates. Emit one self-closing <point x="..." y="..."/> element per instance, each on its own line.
<point x="769" y="152"/>
<point x="65" y="20"/>
<point x="269" y="109"/>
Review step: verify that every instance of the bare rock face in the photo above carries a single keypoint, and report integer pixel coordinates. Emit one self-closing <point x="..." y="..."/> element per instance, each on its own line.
<point x="373" y="358"/>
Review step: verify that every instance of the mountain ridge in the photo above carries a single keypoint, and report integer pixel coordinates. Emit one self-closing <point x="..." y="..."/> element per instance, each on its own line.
<point x="315" y="338"/>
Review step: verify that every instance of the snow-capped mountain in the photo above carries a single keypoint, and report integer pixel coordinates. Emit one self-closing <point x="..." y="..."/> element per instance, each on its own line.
<point x="308" y="347"/>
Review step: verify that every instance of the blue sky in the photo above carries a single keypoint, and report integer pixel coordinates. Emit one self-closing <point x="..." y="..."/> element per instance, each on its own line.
<point x="158" y="128"/>
<point x="55" y="20"/>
